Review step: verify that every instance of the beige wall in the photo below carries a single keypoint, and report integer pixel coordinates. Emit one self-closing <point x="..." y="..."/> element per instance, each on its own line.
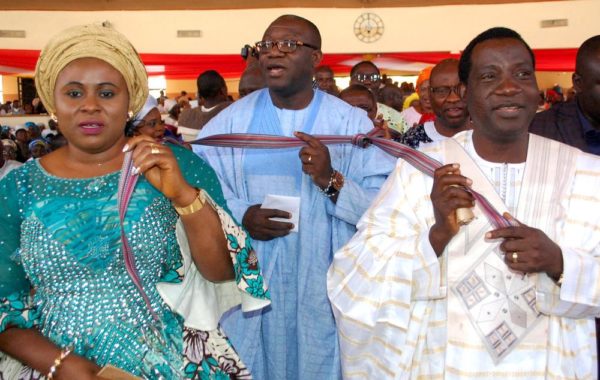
<point x="174" y="87"/>
<point x="406" y="29"/>
<point x="10" y="88"/>
<point x="547" y="80"/>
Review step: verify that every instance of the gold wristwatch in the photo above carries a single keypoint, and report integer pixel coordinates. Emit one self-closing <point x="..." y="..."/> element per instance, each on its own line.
<point x="336" y="182"/>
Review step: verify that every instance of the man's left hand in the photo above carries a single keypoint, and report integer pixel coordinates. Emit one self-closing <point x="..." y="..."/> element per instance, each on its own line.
<point x="315" y="160"/>
<point x="528" y="250"/>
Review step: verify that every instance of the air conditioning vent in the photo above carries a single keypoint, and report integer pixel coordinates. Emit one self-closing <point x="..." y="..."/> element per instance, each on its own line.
<point x="554" y="23"/>
<point x="189" y="33"/>
<point x="12" y="34"/>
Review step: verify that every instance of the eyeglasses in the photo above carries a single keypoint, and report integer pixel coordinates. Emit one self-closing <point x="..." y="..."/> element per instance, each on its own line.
<point x="367" y="77"/>
<point x="150" y="123"/>
<point x="443" y="92"/>
<point x="284" y="46"/>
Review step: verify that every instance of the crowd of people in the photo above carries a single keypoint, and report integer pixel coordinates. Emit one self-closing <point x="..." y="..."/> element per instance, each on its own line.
<point x="14" y="107"/>
<point x="127" y="252"/>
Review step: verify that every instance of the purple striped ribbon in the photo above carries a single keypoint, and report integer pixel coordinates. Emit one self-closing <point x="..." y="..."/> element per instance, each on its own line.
<point x="419" y="160"/>
<point x="126" y="186"/>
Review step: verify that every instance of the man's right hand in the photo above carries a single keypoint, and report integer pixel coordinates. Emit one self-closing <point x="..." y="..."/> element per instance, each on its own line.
<point x="260" y="226"/>
<point x="447" y="197"/>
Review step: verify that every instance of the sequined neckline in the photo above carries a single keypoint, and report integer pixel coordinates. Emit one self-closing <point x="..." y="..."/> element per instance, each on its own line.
<point x="103" y="178"/>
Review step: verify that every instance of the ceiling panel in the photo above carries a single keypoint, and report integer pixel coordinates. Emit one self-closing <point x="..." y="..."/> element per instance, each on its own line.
<point x="90" y="5"/>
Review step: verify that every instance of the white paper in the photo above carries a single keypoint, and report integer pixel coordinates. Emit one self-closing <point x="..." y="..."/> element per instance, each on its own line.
<point x="285" y="203"/>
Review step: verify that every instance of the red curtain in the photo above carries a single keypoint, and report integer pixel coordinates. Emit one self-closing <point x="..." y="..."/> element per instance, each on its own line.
<point x="188" y="66"/>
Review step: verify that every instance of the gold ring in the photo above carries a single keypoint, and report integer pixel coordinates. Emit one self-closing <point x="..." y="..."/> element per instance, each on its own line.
<point x="154" y="149"/>
<point x="515" y="257"/>
<point x="309" y="158"/>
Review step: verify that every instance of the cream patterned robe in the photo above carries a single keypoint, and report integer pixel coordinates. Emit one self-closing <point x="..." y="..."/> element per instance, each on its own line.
<point x="392" y="300"/>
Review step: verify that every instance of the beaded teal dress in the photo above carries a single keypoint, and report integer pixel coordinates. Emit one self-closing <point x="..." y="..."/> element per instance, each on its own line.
<point x="62" y="271"/>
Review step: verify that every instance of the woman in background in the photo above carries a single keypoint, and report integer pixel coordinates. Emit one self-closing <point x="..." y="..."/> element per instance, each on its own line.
<point x="148" y="121"/>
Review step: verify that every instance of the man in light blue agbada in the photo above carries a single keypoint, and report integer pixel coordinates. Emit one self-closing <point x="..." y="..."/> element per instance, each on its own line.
<point x="296" y="337"/>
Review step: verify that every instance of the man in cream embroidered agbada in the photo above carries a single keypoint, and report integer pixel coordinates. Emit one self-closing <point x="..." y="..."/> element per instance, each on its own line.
<point x="416" y="295"/>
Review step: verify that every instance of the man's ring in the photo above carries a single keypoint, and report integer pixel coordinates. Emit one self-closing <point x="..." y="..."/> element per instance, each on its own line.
<point x="515" y="257"/>
<point x="154" y="149"/>
<point x="309" y="158"/>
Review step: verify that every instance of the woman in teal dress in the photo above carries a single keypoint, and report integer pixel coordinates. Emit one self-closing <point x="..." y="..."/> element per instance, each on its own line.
<point x="88" y="279"/>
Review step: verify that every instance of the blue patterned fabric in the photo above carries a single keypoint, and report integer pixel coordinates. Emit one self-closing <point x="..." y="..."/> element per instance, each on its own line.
<point x="414" y="136"/>
<point x="61" y="238"/>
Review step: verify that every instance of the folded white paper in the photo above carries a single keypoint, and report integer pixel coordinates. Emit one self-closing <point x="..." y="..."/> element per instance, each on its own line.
<point x="285" y="203"/>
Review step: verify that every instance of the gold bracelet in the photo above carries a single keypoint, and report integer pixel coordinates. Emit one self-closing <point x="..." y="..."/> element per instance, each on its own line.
<point x="58" y="361"/>
<point x="193" y="207"/>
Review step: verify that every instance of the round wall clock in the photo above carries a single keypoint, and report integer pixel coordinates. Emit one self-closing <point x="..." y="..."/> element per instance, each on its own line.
<point x="368" y="27"/>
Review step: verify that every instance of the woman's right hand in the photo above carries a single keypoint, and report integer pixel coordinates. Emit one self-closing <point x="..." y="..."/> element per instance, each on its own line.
<point x="75" y="367"/>
<point x="447" y="197"/>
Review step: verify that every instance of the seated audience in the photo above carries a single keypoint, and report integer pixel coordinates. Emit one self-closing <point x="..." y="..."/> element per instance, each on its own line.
<point x="5" y="108"/>
<point x="27" y="109"/>
<point x="9" y="149"/>
<point x="16" y="108"/>
<point x="6" y="132"/>
<point x="34" y="130"/>
<point x="7" y="159"/>
<point x="38" y="148"/>
<point x="22" y="139"/>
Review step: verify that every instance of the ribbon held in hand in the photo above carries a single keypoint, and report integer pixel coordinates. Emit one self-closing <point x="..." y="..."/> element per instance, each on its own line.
<point x="417" y="159"/>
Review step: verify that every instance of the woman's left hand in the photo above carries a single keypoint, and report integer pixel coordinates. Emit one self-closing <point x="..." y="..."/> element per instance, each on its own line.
<point x="157" y="163"/>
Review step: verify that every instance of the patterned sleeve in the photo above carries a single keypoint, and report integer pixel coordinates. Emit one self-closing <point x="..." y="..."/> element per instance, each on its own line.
<point x="245" y="263"/>
<point x="17" y="310"/>
<point x="248" y="275"/>
<point x="249" y="288"/>
<point x="15" y="303"/>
